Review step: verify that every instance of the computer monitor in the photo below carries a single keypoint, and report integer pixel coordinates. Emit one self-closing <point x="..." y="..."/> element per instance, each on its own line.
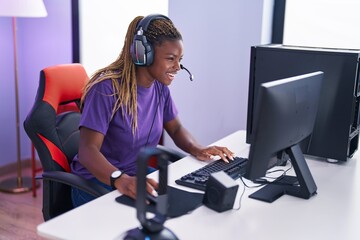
<point x="336" y="131"/>
<point x="285" y="114"/>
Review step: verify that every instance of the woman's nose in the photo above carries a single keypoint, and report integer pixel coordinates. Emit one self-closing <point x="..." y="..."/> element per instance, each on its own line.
<point x="177" y="66"/>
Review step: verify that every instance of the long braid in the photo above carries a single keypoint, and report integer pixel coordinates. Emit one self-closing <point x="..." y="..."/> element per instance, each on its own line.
<point x="122" y="71"/>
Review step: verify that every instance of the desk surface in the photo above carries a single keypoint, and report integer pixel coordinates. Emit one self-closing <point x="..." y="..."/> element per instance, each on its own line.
<point x="334" y="213"/>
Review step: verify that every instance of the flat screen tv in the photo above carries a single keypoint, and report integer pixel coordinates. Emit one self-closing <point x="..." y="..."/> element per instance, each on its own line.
<point x="284" y="116"/>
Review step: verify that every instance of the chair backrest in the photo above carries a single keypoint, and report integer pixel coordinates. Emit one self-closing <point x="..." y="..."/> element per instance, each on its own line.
<point x="52" y="126"/>
<point x="55" y="136"/>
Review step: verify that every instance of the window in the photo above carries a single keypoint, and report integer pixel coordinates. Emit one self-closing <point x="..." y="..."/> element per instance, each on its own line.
<point x="322" y="23"/>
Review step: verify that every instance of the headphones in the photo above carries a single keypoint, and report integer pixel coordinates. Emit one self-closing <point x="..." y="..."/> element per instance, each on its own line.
<point x="142" y="52"/>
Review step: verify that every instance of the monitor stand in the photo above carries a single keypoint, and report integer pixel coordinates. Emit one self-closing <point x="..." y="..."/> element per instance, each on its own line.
<point x="302" y="185"/>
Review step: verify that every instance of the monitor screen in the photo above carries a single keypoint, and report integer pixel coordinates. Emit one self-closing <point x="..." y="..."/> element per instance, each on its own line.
<point x="285" y="115"/>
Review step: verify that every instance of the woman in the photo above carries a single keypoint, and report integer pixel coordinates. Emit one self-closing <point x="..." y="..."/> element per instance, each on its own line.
<point x="126" y="106"/>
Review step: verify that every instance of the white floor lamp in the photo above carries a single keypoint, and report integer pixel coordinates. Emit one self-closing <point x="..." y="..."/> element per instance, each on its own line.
<point x="14" y="9"/>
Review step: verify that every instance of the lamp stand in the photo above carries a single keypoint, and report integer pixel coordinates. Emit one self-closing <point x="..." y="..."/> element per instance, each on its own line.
<point x="18" y="184"/>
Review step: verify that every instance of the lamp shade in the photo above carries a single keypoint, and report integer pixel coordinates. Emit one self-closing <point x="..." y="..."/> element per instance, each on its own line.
<point x="22" y="8"/>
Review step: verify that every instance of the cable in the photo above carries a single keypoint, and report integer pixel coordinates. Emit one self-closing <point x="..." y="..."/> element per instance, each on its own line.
<point x="261" y="182"/>
<point x="157" y="108"/>
<point x="241" y="196"/>
<point x="276" y="180"/>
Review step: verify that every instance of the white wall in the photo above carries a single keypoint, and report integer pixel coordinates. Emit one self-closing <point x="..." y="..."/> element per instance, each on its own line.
<point x="217" y="39"/>
<point x="103" y="26"/>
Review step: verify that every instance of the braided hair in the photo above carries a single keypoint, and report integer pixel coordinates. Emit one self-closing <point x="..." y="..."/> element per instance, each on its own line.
<point x="122" y="71"/>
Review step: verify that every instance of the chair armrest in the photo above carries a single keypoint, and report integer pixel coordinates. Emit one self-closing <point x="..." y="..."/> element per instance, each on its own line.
<point x="173" y="154"/>
<point x="75" y="181"/>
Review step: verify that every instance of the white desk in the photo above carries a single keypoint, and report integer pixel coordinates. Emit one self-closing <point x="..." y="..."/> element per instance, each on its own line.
<point x="334" y="213"/>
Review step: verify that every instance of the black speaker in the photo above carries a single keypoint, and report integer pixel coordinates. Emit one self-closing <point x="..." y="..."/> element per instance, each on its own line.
<point x="142" y="52"/>
<point x="220" y="192"/>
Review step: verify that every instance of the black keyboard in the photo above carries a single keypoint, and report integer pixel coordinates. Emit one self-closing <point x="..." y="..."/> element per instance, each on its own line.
<point x="198" y="178"/>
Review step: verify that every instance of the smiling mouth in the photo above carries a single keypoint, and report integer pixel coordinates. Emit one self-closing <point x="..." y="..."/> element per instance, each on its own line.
<point x="171" y="76"/>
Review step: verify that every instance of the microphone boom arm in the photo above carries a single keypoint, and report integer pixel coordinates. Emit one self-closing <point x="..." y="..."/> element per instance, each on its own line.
<point x="190" y="75"/>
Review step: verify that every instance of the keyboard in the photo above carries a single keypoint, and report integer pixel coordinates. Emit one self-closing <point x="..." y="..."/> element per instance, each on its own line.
<point x="198" y="178"/>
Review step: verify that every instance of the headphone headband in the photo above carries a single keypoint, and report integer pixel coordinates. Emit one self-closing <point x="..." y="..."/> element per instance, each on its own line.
<point x="144" y="23"/>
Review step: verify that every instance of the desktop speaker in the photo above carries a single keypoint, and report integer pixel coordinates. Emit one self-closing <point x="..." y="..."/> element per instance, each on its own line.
<point x="220" y="192"/>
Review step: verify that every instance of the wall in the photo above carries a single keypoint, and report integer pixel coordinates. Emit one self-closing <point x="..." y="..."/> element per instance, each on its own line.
<point x="217" y="48"/>
<point x="7" y="116"/>
<point x="41" y="42"/>
<point x="217" y="51"/>
<point x="102" y="35"/>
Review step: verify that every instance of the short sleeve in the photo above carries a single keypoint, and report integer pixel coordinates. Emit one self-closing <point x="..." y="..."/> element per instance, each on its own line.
<point x="98" y="106"/>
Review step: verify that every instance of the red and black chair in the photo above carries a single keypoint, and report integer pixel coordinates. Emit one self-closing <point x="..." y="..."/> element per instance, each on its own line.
<point x="56" y="136"/>
<point x="54" y="132"/>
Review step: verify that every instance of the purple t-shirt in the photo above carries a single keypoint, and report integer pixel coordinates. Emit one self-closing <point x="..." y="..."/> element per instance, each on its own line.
<point x="120" y="146"/>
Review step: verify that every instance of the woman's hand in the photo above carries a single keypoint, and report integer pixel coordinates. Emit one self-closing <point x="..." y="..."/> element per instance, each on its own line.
<point x="210" y="152"/>
<point x="127" y="185"/>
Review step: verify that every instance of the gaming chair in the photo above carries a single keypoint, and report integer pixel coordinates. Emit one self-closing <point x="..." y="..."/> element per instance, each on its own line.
<point x="56" y="136"/>
<point x="54" y="132"/>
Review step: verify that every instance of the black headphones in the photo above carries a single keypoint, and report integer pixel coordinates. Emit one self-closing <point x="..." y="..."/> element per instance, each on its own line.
<point x="142" y="52"/>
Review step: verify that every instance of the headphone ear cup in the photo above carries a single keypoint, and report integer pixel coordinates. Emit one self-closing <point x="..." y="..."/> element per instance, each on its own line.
<point x="141" y="51"/>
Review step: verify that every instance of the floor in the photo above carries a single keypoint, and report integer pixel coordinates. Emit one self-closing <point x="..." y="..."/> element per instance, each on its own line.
<point x="20" y="213"/>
